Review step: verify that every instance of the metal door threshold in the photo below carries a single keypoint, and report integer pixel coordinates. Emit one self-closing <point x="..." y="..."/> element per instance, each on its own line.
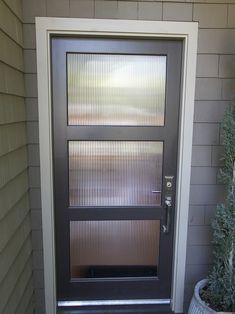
<point x="113" y="302"/>
<point x="118" y="309"/>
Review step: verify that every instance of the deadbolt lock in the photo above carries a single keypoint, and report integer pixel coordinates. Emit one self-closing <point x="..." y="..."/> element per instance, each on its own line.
<point x="169" y="184"/>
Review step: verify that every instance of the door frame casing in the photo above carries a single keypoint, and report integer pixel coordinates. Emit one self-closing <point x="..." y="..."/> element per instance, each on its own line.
<point x="186" y="31"/>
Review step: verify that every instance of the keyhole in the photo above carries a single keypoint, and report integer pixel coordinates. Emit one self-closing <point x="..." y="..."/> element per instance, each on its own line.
<point x="169" y="184"/>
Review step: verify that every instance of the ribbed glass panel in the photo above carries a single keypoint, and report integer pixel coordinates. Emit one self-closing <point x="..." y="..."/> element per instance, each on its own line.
<point x="115" y="173"/>
<point x="120" y="248"/>
<point x="116" y="89"/>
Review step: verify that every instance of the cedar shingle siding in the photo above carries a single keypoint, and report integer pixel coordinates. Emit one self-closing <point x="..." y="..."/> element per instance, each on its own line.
<point x="16" y="275"/>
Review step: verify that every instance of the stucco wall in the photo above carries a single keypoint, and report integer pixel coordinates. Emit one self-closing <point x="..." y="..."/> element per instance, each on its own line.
<point x="214" y="87"/>
<point x="16" y="277"/>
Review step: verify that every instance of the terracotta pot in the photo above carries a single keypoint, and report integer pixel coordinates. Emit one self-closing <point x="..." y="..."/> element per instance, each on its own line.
<point x="197" y="305"/>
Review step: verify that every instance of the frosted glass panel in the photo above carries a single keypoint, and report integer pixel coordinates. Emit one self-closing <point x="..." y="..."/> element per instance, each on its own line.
<point x="116" y="89"/>
<point x="121" y="248"/>
<point x="114" y="173"/>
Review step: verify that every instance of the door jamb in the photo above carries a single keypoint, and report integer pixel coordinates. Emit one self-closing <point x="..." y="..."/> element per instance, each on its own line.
<point x="186" y="31"/>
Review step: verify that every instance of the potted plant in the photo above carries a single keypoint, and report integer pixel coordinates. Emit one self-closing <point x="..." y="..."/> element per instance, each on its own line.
<point x="217" y="292"/>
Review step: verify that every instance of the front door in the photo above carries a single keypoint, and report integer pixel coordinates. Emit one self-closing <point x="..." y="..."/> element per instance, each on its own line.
<point x="115" y="137"/>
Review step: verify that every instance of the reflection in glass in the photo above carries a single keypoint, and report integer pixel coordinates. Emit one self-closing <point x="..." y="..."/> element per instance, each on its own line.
<point x="116" y="89"/>
<point x="124" y="248"/>
<point x="115" y="173"/>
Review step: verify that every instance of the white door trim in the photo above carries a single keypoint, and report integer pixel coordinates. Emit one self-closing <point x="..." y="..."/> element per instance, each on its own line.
<point x="187" y="31"/>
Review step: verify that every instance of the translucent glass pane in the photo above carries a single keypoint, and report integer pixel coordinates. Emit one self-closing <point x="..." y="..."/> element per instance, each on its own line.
<point x="114" y="173"/>
<point x="114" y="248"/>
<point x="116" y="89"/>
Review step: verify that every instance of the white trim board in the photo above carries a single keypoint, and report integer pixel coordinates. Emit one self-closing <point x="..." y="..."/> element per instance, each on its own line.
<point x="187" y="31"/>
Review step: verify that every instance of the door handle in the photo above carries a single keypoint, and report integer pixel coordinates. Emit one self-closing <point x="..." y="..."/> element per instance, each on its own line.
<point x="168" y="206"/>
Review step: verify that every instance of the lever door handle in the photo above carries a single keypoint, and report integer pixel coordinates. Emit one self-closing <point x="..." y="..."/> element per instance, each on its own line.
<point x="168" y="205"/>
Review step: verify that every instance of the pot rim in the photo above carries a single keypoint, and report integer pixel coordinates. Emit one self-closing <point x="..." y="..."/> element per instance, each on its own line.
<point x="202" y="283"/>
<point x="197" y="288"/>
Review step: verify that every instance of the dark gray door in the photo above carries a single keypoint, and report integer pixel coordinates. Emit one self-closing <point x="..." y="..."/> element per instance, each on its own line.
<point x="115" y="137"/>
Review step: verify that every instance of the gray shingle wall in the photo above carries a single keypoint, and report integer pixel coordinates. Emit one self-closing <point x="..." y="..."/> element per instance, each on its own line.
<point x="214" y="88"/>
<point x="16" y="271"/>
